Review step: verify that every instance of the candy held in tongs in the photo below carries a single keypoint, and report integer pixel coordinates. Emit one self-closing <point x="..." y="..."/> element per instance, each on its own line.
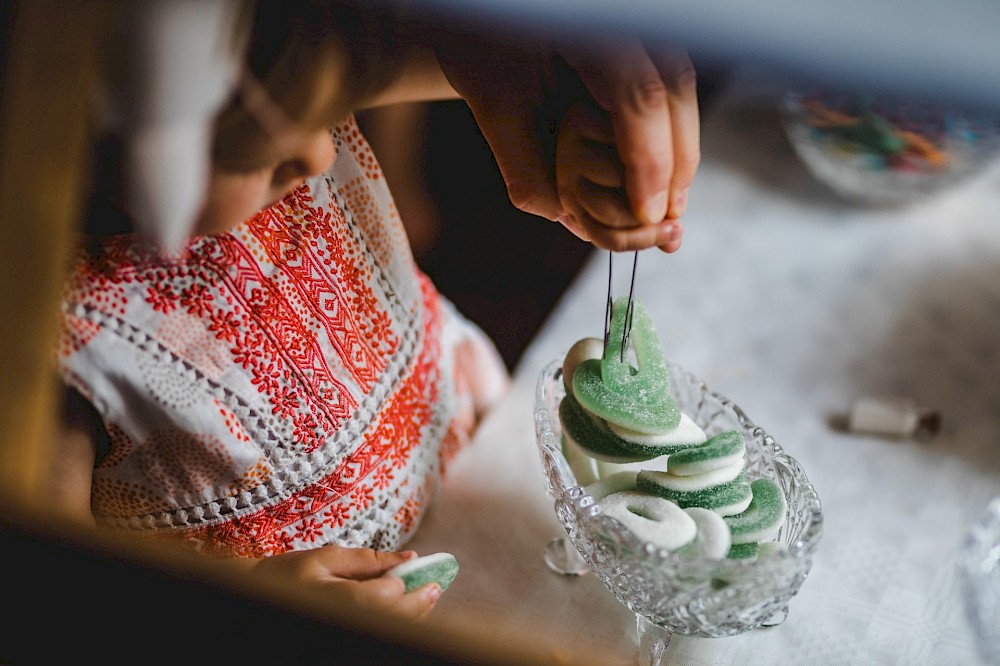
<point x="637" y="399"/>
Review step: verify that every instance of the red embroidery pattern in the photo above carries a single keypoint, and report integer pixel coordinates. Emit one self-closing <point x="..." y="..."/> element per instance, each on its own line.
<point x="349" y="489"/>
<point x="351" y="135"/>
<point x="291" y="233"/>
<point x="274" y="345"/>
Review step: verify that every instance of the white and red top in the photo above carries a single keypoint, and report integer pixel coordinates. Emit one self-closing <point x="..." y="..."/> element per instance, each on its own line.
<point x="283" y="386"/>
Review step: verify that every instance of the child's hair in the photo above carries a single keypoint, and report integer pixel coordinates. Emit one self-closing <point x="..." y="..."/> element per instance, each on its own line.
<point x="315" y="60"/>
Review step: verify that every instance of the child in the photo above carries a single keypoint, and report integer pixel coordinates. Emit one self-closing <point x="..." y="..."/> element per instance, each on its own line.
<point x="291" y="380"/>
<point x="288" y="392"/>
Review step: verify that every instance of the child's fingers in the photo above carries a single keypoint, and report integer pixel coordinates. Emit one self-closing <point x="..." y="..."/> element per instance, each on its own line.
<point x="384" y="592"/>
<point x="592" y="161"/>
<point x="652" y="101"/>
<point x="359" y="563"/>
<point x="419" y="603"/>
<point x="678" y="73"/>
<point x="388" y="593"/>
<point x="626" y="240"/>
<point x="591" y="122"/>
<point x="624" y="81"/>
<point x="676" y="237"/>
<point x="605" y="206"/>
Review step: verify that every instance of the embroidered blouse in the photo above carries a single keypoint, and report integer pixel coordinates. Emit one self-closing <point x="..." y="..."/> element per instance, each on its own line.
<point x="283" y="386"/>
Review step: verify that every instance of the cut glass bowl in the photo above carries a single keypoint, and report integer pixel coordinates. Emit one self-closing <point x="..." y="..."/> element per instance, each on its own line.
<point x="669" y="594"/>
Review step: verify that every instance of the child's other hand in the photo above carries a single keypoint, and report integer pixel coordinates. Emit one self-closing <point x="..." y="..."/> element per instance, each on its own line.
<point x="590" y="180"/>
<point x="354" y="576"/>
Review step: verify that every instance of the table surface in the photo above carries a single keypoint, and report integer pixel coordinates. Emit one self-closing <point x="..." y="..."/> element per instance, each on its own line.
<point x="793" y="304"/>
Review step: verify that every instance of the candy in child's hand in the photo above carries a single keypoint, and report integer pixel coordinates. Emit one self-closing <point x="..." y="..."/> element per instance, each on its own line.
<point x="615" y="391"/>
<point x="726" y="448"/>
<point x="652" y="519"/>
<point x="440" y="568"/>
<point x="763" y="517"/>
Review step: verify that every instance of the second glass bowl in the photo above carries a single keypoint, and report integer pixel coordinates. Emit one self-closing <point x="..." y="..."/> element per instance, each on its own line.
<point x="886" y="151"/>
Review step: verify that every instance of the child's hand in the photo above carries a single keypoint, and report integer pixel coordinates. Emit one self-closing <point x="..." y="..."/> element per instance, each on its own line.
<point x="355" y="576"/>
<point x="650" y="93"/>
<point x="590" y="180"/>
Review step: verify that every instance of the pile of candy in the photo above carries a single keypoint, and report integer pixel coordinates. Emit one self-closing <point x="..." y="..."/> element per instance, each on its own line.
<point x="647" y="463"/>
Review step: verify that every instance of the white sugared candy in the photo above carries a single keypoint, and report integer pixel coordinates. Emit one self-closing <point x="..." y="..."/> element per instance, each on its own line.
<point x="696" y="482"/>
<point x="614" y="483"/>
<point x="713" y="538"/>
<point x="653" y="519"/>
<point x="584" y="350"/>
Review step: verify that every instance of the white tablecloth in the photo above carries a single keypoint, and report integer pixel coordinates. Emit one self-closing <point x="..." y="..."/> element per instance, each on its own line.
<point x="792" y="304"/>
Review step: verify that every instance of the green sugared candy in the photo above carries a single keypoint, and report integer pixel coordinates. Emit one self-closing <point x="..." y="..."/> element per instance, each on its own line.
<point x="744" y="551"/>
<point x="638" y="399"/>
<point x="440" y="568"/>
<point x="719" y="451"/>
<point x="594" y="440"/>
<point x="763" y="517"/>
<point x="733" y="493"/>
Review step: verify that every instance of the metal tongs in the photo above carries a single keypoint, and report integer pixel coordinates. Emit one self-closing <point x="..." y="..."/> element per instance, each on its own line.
<point x="629" y="307"/>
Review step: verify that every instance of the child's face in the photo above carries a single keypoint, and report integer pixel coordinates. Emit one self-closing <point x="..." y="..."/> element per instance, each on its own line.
<point x="235" y="196"/>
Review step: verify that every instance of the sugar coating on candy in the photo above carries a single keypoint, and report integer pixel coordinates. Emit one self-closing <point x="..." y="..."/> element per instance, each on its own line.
<point x="686" y="435"/>
<point x="594" y="440"/>
<point x="584" y="349"/>
<point x="744" y="551"/>
<point x="763" y="517"/>
<point x="638" y="407"/>
<point x="440" y="568"/>
<point x="652" y="519"/>
<point x="615" y="483"/>
<point x="712" y="539"/>
<point x="636" y="398"/>
<point x="738" y="506"/>
<point x="706" y="481"/>
<point x="616" y="370"/>
<point x="725" y="449"/>
<point x="726" y="499"/>
<point x="584" y="467"/>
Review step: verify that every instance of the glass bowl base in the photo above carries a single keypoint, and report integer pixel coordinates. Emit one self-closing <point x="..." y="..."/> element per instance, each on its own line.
<point x="563" y="558"/>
